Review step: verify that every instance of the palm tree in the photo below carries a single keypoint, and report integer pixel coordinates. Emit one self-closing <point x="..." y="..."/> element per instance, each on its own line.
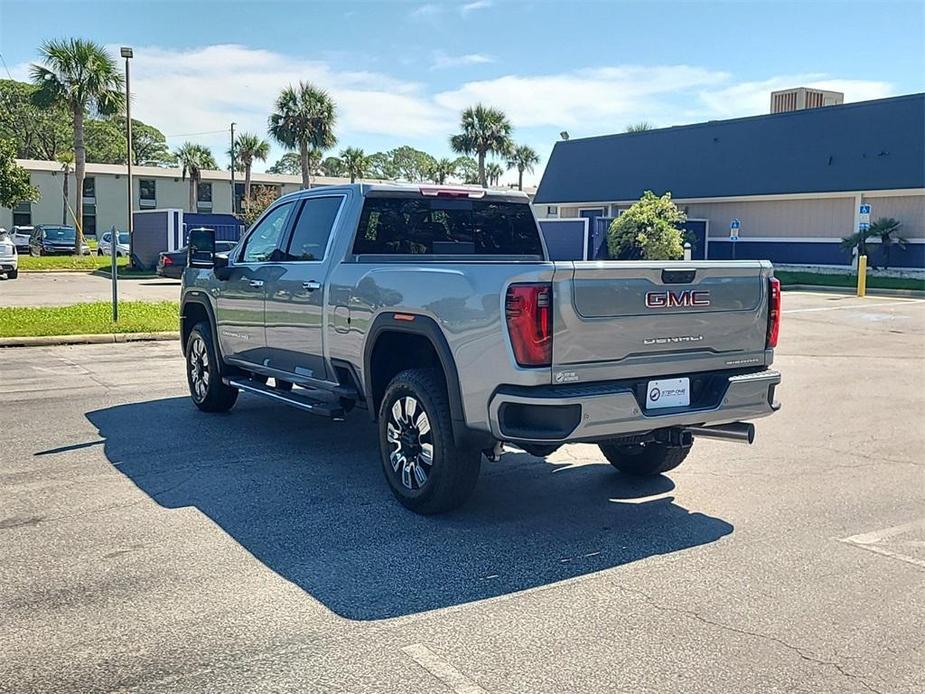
<point x="493" y="173"/>
<point x="523" y="158"/>
<point x="887" y="230"/>
<point x="66" y="159"/>
<point x="331" y="166"/>
<point x="355" y="162"/>
<point x="80" y="76"/>
<point x="194" y="159"/>
<point x="247" y="148"/>
<point x="485" y="130"/>
<point x="443" y="169"/>
<point x="304" y="120"/>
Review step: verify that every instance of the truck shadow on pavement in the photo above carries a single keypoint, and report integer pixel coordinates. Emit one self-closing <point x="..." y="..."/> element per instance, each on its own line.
<point x="307" y="498"/>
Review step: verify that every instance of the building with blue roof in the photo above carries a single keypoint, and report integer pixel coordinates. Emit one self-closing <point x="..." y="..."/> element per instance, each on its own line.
<point x="795" y="180"/>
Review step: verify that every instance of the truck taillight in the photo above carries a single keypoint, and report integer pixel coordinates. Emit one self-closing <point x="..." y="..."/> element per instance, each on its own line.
<point x="167" y="260"/>
<point x="773" y="312"/>
<point x="528" y="309"/>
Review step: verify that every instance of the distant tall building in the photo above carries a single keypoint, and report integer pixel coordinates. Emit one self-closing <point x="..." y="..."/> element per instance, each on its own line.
<point x="800" y="98"/>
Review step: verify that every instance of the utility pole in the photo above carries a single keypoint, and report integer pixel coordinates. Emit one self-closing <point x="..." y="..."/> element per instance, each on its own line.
<point x="126" y="53"/>
<point x="233" y="210"/>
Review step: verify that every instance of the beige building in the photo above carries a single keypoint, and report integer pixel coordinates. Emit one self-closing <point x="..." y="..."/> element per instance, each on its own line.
<point x="105" y="203"/>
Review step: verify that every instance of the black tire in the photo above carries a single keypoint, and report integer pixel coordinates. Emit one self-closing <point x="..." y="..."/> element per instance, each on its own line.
<point x="644" y="459"/>
<point x="449" y="479"/>
<point x="206" y="389"/>
<point x="12" y="274"/>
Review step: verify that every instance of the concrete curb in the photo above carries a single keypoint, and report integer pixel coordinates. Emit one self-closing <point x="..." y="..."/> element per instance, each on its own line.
<point x="104" y="338"/>
<point x="916" y="293"/>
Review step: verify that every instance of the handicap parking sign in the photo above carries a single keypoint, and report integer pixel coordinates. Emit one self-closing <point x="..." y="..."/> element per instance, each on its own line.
<point x="735" y="224"/>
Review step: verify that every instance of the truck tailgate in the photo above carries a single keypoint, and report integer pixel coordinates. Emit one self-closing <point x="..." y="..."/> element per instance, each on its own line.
<point x="629" y="319"/>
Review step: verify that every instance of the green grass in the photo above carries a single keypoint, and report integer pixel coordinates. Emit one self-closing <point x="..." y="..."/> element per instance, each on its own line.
<point x="790" y="277"/>
<point x="67" y="262"/>
<point x="89" y="319"/>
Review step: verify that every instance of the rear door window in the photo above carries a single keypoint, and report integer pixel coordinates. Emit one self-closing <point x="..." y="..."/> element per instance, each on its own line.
<point x="446" y="226"/>
<point x="313" y="228"/>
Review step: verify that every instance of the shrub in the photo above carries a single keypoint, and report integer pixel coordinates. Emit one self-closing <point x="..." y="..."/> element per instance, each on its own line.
<point x="649" y="230"/>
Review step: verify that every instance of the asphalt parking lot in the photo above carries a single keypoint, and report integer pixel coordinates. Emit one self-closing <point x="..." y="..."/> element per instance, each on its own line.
<point x="63" y="288"/>
<point x="149" y="547"/>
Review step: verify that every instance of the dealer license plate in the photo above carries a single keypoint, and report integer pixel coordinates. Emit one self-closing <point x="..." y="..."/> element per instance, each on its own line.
<point x="668" y="392"/>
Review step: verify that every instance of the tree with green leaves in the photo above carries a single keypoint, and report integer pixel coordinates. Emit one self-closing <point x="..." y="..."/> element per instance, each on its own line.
<point x="443" y="169"/>
<point x="304" y="120"/>
<point x="332" y="166"/>
<point x="411" y="164"/>
<point x="485" y="131"/>
<point x="523" y="158"/>
<point x="639" y="127"/>
<point x="467" y="169"/>
<point x="80" y="76"/>
<point x="194" y="159"/>
<point x="36" y="133"/>
<point x="248" y="148"/>
<point x="649" y="230"/>
<point x="355" y="162"/>
<point x="886" y="229"/>
<point x="381" y="166"/>
<point x="15" y="184"/>
<point x="286" y="164"/>
<point x="494" y="172"/>
<point x="251" y="209"/>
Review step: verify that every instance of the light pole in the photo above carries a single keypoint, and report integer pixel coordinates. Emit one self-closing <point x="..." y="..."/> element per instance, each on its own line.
<point x="233" y="210"/>
<point x="126" y="53"/>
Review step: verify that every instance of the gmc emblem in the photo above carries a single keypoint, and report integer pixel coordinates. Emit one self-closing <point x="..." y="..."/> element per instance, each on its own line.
<point x="684" y="298"/>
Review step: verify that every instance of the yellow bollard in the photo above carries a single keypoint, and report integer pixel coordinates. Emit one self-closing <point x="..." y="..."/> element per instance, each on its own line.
<point x="862" y="275"/>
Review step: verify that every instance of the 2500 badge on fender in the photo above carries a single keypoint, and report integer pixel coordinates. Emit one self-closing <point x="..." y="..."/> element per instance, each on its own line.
<point x="684" y="298"/>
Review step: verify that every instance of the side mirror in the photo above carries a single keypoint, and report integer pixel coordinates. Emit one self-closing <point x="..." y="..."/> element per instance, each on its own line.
<point x="201" y="248"/>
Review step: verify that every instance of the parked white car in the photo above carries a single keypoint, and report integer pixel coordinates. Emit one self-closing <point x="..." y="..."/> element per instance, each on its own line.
<point x="9" y="258"/>
<point x="20" y="236"/>
<point x="104" y="247"/>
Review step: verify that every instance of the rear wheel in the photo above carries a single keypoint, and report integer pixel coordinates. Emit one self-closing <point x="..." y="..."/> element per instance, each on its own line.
<point x="206" y="388"/>
<point x="12" y="274"/>
<point x="644" y="459"/>
<point x="424" y="467"/>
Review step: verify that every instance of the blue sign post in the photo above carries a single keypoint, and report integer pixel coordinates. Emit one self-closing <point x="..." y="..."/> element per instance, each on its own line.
<point x="734" y="228"/>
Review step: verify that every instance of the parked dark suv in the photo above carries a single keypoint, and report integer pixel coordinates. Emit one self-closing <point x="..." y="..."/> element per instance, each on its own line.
<point x="48" y="239"/>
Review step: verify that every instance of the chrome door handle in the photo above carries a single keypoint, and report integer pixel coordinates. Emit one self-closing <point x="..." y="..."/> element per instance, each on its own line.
<point x="311" y="285"/>
<point x="256" y="284"/>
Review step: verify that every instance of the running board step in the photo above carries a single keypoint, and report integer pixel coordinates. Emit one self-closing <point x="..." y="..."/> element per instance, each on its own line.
<point x="302" y="402"/>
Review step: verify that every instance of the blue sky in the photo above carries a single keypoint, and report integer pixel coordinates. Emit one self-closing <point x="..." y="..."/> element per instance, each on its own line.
<point x="400" y="72"/>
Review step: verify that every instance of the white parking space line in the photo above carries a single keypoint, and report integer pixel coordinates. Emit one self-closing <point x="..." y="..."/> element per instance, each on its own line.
<point x="872" y="541"/>
<point x="442" y="670"/>
<point x="898" y="302"/>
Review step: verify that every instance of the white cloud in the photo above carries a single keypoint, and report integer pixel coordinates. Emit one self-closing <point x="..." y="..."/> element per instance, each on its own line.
<point x="442" y="60"/>
<point x="473" y="6"/>
<point x="426" y="11"/>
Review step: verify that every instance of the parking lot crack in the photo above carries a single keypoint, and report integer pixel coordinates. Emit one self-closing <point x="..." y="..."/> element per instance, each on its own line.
<point x="802" y="653"/>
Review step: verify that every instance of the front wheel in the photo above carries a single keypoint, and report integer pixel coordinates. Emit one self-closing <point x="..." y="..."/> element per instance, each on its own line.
<point x="206" y="388"/>
<point x="644" y="459"/>
<point x="12" y="274"/>
<point x="424" y="467"/>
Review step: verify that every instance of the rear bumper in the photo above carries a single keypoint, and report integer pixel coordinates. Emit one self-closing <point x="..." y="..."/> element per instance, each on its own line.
<point x="598" y="411"/>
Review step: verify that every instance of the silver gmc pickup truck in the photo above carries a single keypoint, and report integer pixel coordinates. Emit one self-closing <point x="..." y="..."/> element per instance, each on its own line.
<point x="437" y="310"/>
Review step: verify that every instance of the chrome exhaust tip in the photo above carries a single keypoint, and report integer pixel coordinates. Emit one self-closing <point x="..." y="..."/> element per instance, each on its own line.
<point x="743" y="432"/>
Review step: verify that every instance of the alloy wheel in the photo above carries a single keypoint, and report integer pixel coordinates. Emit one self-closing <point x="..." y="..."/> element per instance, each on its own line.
<point x="411" y="440"/>
<point x="199" y="368"/>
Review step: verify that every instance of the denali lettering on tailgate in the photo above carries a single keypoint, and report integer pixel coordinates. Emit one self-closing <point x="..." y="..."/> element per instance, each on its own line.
<point x="686" y="297"/>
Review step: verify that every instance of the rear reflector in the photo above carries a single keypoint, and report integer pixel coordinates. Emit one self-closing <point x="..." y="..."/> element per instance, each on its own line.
<point x="773" y="312"/>
<point x="166" y="260"/>
<point x="528" y="309"/>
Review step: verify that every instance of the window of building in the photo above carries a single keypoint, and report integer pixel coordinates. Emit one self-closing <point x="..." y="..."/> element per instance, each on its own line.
<point x="313" y="228"/>
<point x="147" y="196"/>
<point x="552" y="210"/>
<point x="239" y="196"/>
<point x="90" y="189"/>
<point x="262" y="243"/>
<point x="204" y="197"/>
<point x="22" y="215"/>
<point x="422" y="226"/>
<point x="89" y="219"/>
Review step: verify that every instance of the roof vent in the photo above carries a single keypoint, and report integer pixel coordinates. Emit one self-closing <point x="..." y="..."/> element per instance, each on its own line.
<point x="801" y="98"/>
